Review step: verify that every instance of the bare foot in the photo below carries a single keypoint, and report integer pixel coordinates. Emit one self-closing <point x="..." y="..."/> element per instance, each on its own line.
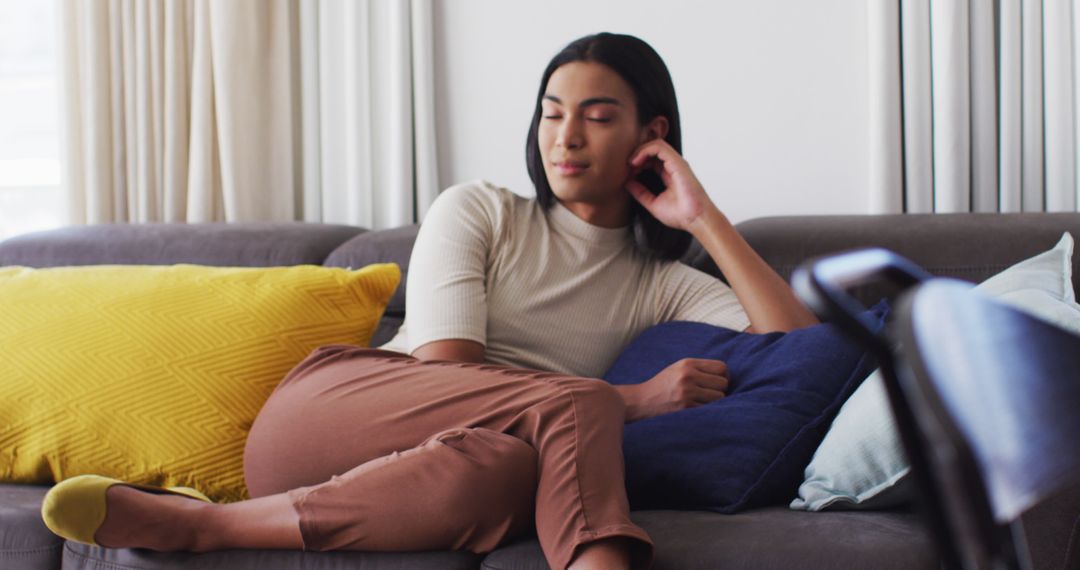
<point x="139" y="519"/>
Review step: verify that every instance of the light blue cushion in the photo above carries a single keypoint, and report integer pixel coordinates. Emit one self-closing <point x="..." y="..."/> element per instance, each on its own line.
<point x="861" y="464"/>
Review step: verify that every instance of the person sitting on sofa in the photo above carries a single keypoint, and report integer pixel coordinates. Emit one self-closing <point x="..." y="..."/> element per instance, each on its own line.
<point x="466" y="443"/>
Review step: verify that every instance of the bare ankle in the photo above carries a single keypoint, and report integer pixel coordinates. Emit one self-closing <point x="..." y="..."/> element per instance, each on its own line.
<point x="140" y="519"/>
<point x="200" y="526"/>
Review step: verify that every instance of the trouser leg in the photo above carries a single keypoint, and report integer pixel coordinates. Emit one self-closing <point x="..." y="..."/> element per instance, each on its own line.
<point x="463" y="489"/>
<point x="345" y="406"/>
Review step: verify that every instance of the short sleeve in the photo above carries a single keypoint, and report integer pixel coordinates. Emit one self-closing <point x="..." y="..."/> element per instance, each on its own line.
<point x="446" y="292"/>
<point x="688" y="294"/>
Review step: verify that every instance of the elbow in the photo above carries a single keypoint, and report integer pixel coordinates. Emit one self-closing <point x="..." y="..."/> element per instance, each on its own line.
<point x="452" y="350"/>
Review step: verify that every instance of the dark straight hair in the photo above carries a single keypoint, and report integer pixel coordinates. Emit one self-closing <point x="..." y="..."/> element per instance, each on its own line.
<point x="641" y="67"/>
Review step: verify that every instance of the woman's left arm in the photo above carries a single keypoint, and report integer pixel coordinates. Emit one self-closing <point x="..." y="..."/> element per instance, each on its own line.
<point x="769" y="302"/>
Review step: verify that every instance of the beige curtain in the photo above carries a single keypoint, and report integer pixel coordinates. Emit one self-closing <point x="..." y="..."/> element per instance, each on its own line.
<point x="368" y="111"/>
<point x="973" y="105"/>
<point x="178" y="110"/>
<point x="247" y="110"/>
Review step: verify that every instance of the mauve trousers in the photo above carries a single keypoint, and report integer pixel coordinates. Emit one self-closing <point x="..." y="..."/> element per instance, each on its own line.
<point x="380" y="451"/>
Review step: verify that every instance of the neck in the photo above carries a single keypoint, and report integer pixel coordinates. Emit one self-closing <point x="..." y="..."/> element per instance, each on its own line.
<point x="613" y="214"/>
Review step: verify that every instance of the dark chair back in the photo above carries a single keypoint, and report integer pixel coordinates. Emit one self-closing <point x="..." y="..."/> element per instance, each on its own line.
<point x="986" y="399"/>
<point x="996" y="394"/>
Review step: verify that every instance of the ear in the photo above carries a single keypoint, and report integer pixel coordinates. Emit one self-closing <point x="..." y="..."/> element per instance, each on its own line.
<point x="656" y="129"/>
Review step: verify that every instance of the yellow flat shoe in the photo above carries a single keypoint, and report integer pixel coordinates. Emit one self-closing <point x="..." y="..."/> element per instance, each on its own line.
<point x="75" y="507"/>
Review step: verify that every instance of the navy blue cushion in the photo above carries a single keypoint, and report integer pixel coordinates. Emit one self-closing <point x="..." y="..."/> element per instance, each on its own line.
<point x="749" y="448"/>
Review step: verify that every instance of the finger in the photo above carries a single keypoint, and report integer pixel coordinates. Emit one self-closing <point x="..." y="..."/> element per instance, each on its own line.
<point x="658" y="148"/>
<point x="707" y="381"/>
<point x="640" y="193"/>
<point x="669" y="160"/>
<point x="666" y="177"/>
<point x="707" y="396"/>
<point x="709" y="365"/>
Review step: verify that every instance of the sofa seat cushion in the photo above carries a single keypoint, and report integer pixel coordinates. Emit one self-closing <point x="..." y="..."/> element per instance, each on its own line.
<point x="25" y="542"/>
<point x="773" y="537"/>
<point x="84" y="557"/>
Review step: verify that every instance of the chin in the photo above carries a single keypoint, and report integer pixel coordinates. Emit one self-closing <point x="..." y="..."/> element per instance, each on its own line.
<point x="578" y="188"/>
<point x="571" y="194"/>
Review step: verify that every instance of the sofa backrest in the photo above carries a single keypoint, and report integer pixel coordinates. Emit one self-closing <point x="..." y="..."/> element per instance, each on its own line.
<point x="965" y="246"/>
<point x="971" y="247"/>
<point x="249" y="244"/>
<point x="394" y="246"/>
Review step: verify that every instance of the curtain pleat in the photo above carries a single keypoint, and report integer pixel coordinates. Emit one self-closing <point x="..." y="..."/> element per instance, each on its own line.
<point x="204" y="199"/>
<point x="918" y="113"/>
<point x="1010" y="109"/>
<point x="989" y="105"/>
<point x="250" y="55"/>
<point x="92" y="80"/>
<point x="426" y="172"/>
<point x="176" y="116"/>
<point x="984" y="127"/>
<point x="886" y="166"/>
<point x="310" y="83"/>
<point x="393" y="206"/>
<point x="1058" y="81"/>
<point x="369" y="156"/>
<point x="952" y="105"/>
<point x="1031" y="195"/>
<point x="1074" y="18"/>
<point x="119" y="19"/>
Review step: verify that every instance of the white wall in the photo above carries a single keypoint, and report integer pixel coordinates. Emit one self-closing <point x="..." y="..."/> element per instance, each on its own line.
<point x="773" y="93"/>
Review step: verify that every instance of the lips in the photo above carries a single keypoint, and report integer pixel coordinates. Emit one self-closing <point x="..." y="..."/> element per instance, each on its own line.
<point x="571" y="167"/>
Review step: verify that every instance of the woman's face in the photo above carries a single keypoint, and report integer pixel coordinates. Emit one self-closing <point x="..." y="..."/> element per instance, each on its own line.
<point x="588" y="130"/>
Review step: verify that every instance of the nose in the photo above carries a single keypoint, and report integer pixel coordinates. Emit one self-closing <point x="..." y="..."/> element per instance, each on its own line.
<point x="571" y="135"/>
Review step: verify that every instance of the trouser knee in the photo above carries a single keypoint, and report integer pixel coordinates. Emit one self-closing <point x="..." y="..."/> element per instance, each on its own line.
<point x="496" y="491"/>
<point x="598" y="400"/>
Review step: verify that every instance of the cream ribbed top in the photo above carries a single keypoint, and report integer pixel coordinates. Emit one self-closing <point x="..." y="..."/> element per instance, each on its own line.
<point x="548" y="292"/>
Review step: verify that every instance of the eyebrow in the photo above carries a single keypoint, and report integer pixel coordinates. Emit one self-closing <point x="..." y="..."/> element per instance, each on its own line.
<point x="589" y="101"/>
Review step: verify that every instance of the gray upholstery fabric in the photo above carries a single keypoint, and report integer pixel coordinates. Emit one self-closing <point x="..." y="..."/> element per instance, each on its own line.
<point x="25" y="542"/>
<point x="971" y="247"/>
<point x="83" y="557"/>
<point x="386" y="246"/>
<point x="763" y="539"/>
<point x="1052" y="531"/>
<point x="251" y="244"/>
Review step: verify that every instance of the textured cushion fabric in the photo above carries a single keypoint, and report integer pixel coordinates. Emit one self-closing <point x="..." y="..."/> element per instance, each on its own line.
<point x="750" y="447"/>
<point x="154" y="374"/>
<point x="249" y="244"/>
<point x="861" y="462"/>
<point x="25" y="542"/>
<point x="83" y="557"/>
<point x="765" y="538"/>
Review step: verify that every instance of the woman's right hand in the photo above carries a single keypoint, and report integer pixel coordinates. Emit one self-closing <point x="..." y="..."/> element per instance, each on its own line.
<point x="687" y="383"/>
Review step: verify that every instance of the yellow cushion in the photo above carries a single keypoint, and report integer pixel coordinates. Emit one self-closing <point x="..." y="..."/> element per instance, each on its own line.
<point x="154" y="375"/>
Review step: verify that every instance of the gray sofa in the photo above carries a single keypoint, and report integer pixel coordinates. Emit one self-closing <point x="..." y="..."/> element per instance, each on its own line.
<point x="967" y="246"/>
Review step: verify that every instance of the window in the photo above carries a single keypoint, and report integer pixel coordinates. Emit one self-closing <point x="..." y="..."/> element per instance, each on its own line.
<point x="30" y="194"/>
